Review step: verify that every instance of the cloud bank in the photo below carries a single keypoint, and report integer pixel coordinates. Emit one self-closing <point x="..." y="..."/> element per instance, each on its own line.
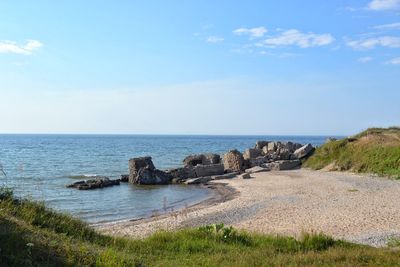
<point x="9" y="47"/>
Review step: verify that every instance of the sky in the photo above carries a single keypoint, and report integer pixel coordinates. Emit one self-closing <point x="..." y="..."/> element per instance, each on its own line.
<point x="282" y="67"/>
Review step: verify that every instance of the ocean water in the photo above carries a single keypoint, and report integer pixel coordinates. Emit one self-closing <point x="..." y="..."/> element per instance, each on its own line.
<point x="40" y="166"/>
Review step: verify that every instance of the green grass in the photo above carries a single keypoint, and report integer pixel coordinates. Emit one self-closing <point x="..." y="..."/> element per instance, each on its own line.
<point x="375" y="150"/>
<point x="32" y="235"/>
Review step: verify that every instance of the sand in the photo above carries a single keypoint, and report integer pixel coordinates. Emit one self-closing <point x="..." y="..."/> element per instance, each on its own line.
<point x="358" y="208"/>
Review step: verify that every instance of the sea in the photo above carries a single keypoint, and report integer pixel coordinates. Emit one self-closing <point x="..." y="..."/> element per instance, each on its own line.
<point x="38" y="167"/>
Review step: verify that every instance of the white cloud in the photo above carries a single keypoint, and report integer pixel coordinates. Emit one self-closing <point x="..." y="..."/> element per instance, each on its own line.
<point x="252" y="32"/>
<point x="13" y="47"/>
<point x="384" y="4"/>
<point x="384" y="41"/>
<point x="214" y="39"/>
<point x="391" y="26"/>
<point x="394" y="61"/>
<point x="297" y="38"/>
<point x="365" y="59"/>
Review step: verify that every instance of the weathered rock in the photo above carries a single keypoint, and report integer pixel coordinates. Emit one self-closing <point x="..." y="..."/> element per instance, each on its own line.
<point x="283" y="165"/>
<point x="283" y="153"/>
<point x="98" y="182"/>
<point x="150" y="176"/>
<point x="245" y="176"/>
<point x="182" y="173"/>
<point x="199" y="180"/>
<point x="257" y="169"/>
<point x="225" y="176"/>
<point x="136" y="164"/>
<point x="261" y="144"/>
<point x="258" y="161"/>
<point x="304" y="151"/>
<point x="209" y="170"/>
<point x="252" y="153"/>
<point x="233" y="161"/>
<point x="124" y="178"/>
<point x="271" y="147"/>
<point x="201" y="159"/>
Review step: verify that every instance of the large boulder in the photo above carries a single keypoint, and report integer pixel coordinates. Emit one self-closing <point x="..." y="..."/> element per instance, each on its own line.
<point x="252" y="153"/>
<point x="261" y="144"/>
<point x="271" y="147"/>
<point x="304" y="151"/>
<point x="209" y="170"/>
<point x="201" y="159"/>
<point x="136" y="164"/>
<point x="233" y="161"/>
<point x="150" y="176"/>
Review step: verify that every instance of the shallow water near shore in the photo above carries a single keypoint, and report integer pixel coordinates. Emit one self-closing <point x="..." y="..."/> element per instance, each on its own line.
<point x="40" y="166"/>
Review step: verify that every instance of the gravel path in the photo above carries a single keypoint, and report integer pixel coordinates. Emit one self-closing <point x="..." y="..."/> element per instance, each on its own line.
<point x="362" y="209"/>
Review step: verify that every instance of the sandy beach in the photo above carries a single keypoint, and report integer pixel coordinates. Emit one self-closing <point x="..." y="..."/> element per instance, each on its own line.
<point x="358" y="208"/>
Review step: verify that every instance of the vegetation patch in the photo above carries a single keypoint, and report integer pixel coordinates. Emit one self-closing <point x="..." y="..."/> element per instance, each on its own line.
<point x="375" y="150"/>
<point x="32" y="235"/>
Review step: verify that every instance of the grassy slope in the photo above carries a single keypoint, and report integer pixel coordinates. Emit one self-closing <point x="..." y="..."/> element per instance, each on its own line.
<point x="375" y="150"/>
<point x="31" y="235"/>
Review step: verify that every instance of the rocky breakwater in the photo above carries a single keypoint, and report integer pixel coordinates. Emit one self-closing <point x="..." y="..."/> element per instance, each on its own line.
<point x="275" y="156"/>
<point x="202" y="168"/>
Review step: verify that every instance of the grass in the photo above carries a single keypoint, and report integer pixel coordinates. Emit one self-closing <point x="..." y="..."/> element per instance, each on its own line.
<point x="376" y="150"/>
<point x="32" y="235"/>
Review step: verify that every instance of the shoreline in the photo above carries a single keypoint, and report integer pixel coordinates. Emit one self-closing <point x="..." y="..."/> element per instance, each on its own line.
<point x="221" y="192"/>
<point x="357" y="208"/>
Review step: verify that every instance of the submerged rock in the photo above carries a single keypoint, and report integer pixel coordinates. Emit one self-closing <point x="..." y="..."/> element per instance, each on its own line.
<point x="98" y="182"/>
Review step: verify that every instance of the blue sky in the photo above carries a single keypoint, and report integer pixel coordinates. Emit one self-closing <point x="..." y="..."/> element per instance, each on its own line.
<point x="199" y="67"/>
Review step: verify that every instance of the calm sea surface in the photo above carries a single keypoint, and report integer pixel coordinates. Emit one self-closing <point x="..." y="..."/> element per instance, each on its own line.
<point x="40" y="166"/>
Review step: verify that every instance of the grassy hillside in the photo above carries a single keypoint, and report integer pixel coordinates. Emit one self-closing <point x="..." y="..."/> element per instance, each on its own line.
<point x="375" y="150"/>
<point x="31" y="235"/>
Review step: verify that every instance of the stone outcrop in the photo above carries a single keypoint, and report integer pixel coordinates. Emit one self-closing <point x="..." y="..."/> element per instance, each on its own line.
<point x="136" y="164"/>
<point x="209" y="170"/>
<point x="261" y="144"/>
<point x="304" y="151"/>
<point x="201" y="159"/>
<point x="150" y="176"/>
<point x="142" y="171"/>
<point x="252" y="153"/>
<point x="97" y="182"/>
<point x="233" y="161"/>
<point x="182" y="173"/>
